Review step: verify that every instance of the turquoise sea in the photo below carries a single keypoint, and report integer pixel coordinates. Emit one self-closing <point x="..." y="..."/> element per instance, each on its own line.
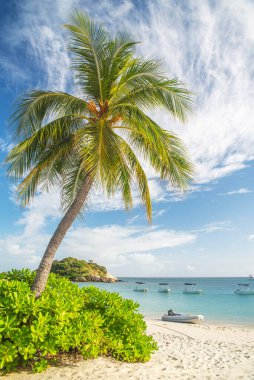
<point x="218" y="303"/>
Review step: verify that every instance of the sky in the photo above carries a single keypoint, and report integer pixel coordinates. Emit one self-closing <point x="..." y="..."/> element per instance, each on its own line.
<point x="208" y="231"/>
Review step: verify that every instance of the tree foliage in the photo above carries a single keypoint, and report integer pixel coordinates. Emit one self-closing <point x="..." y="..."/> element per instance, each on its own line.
<point x="66" y="319"/>
<point x="76" y="270"/>
<point x="62" y="139"/>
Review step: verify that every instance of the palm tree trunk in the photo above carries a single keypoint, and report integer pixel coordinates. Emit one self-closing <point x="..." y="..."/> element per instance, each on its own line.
<point x="43" y="271"/>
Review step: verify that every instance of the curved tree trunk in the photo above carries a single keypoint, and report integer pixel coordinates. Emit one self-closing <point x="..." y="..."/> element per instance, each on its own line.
<point x="48" y="257"/>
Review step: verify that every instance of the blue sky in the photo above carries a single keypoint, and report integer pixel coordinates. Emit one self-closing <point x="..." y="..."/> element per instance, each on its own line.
<point x="207" y="232"/>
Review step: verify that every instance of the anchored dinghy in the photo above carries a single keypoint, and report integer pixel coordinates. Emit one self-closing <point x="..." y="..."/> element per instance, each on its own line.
<point x="139" y="287"/>
<point x="183" y="318"/>
<point x="164" y="287"/>
<point x="245" y="289"/>
<point x="191" y="288"/>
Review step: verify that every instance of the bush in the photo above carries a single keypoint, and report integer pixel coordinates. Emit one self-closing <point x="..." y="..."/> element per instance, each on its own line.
<point x="24" y="275"/>
<point x="66" y="319"/>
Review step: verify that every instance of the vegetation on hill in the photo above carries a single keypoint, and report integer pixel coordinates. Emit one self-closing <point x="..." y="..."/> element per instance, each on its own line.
<point x="66" y="319"/>
<point x="79" y="270"/>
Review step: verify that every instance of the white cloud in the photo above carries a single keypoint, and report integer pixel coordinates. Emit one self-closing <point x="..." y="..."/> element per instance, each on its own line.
<point x="240" y="191"/>
<point x="34" y="217"/>
<point x="225" y="225"/>
<point x="143" y="258"/>
<point x="158" y="213"/>
<point x="251" y="237"/>
<point x="113" y="245"/>
<point x="131" y="250"/>
<point x="133" y="219"/>
<point x="109" y="239"/>
<point x="38" y="31"/>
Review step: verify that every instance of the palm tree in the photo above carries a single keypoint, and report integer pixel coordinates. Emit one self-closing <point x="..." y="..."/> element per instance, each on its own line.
<point x="80" y="143"/>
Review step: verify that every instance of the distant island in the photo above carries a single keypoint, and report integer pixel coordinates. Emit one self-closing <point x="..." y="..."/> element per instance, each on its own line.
<point x="81" y="270"/>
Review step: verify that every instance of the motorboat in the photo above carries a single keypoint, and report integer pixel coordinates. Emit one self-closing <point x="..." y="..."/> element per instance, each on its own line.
<point x="139" y="287"/>
<point x="191" y="288"/>
<point x="245" y="289"/>
<point x="183" y="318"/>
<point x="164" y="287"/>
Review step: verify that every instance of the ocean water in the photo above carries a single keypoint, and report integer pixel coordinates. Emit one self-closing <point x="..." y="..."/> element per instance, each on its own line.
<point x="218" y="303"/>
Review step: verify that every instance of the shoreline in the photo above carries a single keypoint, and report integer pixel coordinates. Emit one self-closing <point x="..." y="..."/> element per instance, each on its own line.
<point x="206" y="321"/>
<point x="186" y="352"/>
<point x="218" y="303"/>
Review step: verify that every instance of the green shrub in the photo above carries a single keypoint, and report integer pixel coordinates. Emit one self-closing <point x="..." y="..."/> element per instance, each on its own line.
<point x="66" y="319"/>
<point x="24" y="275"/>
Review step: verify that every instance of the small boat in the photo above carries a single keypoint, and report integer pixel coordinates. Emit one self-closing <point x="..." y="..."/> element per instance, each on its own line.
<point x="245" y="289"/>
<point x="140" y="288"/>
<point x="251" y="277"/>
<point x="163" y="287"/>
<point x="183" y="318"/>
<point x="191" y="288"/>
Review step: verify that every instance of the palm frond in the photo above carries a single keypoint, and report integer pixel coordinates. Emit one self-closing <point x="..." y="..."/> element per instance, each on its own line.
<point x="118" y="56"/>
<point x="121" y="175"/>
<point x="164" y="150"/>
<point x="143" y="83"/>
<point x="37" y="106"/>
<point x="140" y="177"/>
<point x="32" y="150"/>
<point x="138" y="73"/>
<point x="87" y="43"/>
<point x="73" y="179"/>
<point x="46" y="174"/>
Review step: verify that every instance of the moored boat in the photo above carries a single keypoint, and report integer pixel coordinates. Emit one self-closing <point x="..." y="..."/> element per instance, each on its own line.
<point x="140" y="288"/>
<point x="245" y="289"/>
<point x="191" y="288"/>
<point x="183" y="318"/>
<point x="164" y="287"/>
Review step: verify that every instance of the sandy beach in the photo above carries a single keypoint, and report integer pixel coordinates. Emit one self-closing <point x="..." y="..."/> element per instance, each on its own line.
<point x="185" y="352"/>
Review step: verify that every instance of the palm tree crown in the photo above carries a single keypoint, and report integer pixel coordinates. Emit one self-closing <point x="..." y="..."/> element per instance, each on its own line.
<point x="97" y="139"/>
<point x="63" y="138"/>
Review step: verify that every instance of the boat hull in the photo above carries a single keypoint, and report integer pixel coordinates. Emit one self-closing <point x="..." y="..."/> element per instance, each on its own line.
<point x="144" y="290"/>
<point x="245" y="292"/>
<point x="164" y="290"/>
<point x="192" y="291"/>
<point x="183" y="318"/>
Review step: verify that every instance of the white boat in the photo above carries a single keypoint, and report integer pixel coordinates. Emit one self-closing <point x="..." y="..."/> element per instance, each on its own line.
<point x="251" y="277"/>
<point x="245" y="289"/>
<point x="183" y="318"/>
<point x="191" y="288"/>
<point x="163" y="287"/>
<point x="139" y="287"/>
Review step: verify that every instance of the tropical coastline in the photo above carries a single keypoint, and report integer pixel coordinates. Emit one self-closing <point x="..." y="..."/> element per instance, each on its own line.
<point x="185" y="352"/>
<point x="218" y="301"/>
<point x="94" y="101"/>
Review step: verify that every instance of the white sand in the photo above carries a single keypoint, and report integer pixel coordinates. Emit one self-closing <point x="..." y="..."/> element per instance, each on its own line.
<point x="185" y="352"/>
